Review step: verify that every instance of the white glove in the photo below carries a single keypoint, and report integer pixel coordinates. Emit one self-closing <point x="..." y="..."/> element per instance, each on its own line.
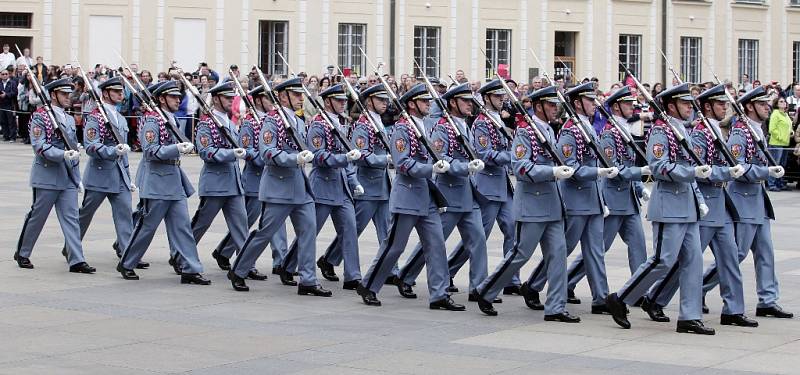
<point x="646" y="170"/>
<point x="702" y="171"/>
<point x="388" y="159"/>
<point x="358" y="190"/>
<point x="353" y="154"/>
<point x="736" y="171"/>
<point x="475" y="166"/>
<point x="703" y="210"/>
<point x="122" y="149"/>
<point x="133" y="187"/>
<point x="606" y="211"/>
<point x="645" y="194"/>
<point x="72" y="155"/>
<point x="80" y="187"/>
<point x="776" y="171"/>
<point x="304" y="157"/>
<point x="185" y="147"/>
<point x="240" y="153"/>
<point x="562" y="172"/>
<point x="441" y="166"/>
<point x="608" y="172"/>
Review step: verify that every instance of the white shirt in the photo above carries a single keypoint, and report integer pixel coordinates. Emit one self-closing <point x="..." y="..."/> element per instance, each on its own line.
<point x="22" y="60"/>
<point x="7" y="59"/>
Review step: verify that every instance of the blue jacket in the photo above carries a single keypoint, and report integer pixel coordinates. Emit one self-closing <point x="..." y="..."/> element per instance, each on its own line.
<point x="331" y="178"/>
<point x="455" y="184"/>
<point x="371" y="169"/>
<point x="106" y="171"/>
<point x="220" y="176"/>
<point x="537" y="198"/>
<point x="249" y="138"/>
<point x="582" y="191"/>
<point x="493" y="149"/>
<point x="720" y="206"/>
<point x="283" y="181"/>
<point x="162" y="177"/>
<point x="413" y="192"/>
<point x="621" y="194"/>
<point x="675" y="198"/>
<point x="49" y="169"/>
<point x="747" y="192"/>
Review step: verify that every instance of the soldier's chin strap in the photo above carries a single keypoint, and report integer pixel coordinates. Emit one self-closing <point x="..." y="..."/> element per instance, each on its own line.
<point x="458" y="108"/>
<point x="544" y="113"/>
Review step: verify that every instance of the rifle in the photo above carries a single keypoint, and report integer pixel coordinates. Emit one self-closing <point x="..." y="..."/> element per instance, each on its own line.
<point x="99" y="101"/>
<point x="286" y="124"/>
<point x="460" y="137"/>
<point x="396" y="101"/>
<point x="660" y="112"/>
<point x="335" y="129"/>
<point x="204" y="106"/>
<point x="746" y="120"/>
<point x="248" y="103"/>
<point x="48" y="108"/>
<point x="626" y="136"/>
<point x="717" y="138"/>
<point x="543" y="140"/>
<point x="354" y="95"/>
<point x="146" y="97"/>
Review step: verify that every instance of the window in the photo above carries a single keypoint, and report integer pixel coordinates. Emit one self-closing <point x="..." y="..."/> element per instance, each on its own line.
<point x="498" y="49"/>
<point x="691" y="56"/>
<point x="748" y="58"/>
<point x="630" y="54"/>
<point x="426" y="50"/>
<point x="274" y="40"/>
<point x="351" y="42"/>
<point x="795" y="61"/>
<point x="794" y="3"/>
<point x="12" y="20"/>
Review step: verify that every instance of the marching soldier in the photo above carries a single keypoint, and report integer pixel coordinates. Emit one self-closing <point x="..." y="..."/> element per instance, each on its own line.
<point x="583" y="198"/>
<point x="372" y="173"/>
<point x="55" y="179"/>
<point x="716" y="228"/>
<point x="220" y="179"/>
<point x="752" y="227"/>
<point x="463" y="210"/>
<point x="538" y="212"/>
<point x="107" y="175"/>
<point x="621" y="194"/>
<point x="413" y="204"/>
<point x="163" y="190"/>
<point x="286" y="193"/>
<point x="331" y="180"/>
<point x="249" y="130"/>
<point x="493" y="182"/>
<point x="676" y="207"/>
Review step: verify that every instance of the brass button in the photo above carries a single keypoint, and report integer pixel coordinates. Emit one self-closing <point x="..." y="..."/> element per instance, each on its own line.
<point x="676" y="192"/>
<point x="619" y="189"/>
<point x="537" y="193"/>
<point x="580" y="187"/>
<point x="450" y="185"/>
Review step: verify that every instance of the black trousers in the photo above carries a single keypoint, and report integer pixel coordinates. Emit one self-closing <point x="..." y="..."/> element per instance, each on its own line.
<point x="9" y="123"/>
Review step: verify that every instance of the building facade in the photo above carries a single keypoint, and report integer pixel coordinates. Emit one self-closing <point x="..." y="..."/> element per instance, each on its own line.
<point x="757" y="37"/>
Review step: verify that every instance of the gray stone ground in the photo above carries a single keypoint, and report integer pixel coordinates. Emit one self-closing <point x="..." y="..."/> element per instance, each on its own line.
<point x="54" y="322"/>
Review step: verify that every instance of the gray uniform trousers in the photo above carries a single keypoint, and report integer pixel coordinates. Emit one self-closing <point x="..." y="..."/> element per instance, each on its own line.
<point x="471" y="229"/>
<point x="273" y="218"/>
<point x="175" y="214"/>
<point x="583" y="229"/>
<point x="429" y="229"/>
<point x="722" y="243"/>
<point x="758" y="239"/>
<point x="343" y="218"/>
<point x="550" y="235"/>
<point x="491" y="211"/>
<point x="66" y="203"/>
<point x="233" y="208"/>
<point x="673" y="243"/>
<point x="630" y="230"/>
<point x="253" y="206"/>
<point x="120" y="211"/>
<point x="366" y="211"/>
